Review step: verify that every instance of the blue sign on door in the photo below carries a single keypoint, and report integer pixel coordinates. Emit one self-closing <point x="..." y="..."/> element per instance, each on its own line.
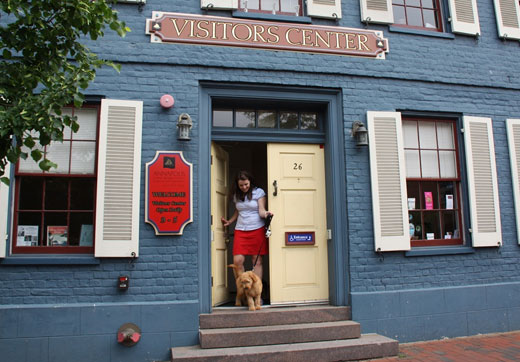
<point x="299" y="238"/>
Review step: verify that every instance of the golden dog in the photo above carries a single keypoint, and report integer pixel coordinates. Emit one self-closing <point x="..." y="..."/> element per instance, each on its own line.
<point x="249" y="287"/>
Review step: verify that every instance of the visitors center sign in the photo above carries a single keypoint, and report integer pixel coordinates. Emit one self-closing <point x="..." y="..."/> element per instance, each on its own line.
<point x="214" y="30"/>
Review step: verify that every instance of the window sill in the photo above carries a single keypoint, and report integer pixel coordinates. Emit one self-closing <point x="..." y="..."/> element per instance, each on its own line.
<point x="50" y="260"/>
<point x="440" y="250"/>
<point x="271" y="17"/>
<point x="435" y="34"/>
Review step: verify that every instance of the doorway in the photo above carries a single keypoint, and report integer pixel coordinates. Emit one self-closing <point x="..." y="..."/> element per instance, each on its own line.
<point x="329" y="138"/>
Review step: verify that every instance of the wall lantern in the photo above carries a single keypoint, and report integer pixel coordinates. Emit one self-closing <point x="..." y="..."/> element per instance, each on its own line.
<point x="184" y="124"/>
<point x="360" y="132"/>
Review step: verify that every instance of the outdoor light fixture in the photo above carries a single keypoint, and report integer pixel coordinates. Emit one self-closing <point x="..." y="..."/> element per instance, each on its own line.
<point x="184" y="124"/>
<point x="360" y="132"/>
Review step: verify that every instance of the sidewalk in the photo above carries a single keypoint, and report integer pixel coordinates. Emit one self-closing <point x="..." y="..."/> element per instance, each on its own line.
<point x="498" y="347"/>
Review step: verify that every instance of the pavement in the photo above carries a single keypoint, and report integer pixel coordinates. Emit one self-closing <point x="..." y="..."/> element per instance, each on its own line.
<point x="497" y="347"/>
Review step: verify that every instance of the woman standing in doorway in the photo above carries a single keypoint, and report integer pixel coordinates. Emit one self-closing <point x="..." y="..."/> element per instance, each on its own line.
<point x="250" y="239"/>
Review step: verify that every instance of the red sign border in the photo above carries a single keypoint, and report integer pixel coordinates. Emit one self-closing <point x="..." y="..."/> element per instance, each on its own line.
<point x="147" y="191"/>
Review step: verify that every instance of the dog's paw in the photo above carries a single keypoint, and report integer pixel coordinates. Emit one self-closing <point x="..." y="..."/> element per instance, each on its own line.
<point x="258" y="307"/>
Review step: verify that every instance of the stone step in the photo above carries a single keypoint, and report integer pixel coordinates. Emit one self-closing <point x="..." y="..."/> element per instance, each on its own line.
<point x="278" y="334"/>
<point x="368" y="346"/>
<point x="241" y="317"/>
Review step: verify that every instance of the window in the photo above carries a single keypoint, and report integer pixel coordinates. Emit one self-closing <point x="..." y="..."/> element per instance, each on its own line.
<point x="281" y="7"/>
<point x="265" y="118"/>
<point x="419" y="14"/>
<point x="54" y="210"/>
<point x="433" y="181"/>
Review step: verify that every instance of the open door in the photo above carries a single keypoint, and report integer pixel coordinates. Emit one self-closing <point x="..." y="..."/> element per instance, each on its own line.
<point x="298" y="244"/>
<point x="219" y="238"/>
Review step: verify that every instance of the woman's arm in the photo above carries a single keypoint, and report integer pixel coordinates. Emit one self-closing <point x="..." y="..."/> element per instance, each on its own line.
<point x="230" y="221"/>
<point x="261" y="208"/>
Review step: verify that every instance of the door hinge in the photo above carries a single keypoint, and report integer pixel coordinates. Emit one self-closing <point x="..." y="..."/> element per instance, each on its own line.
<point x="211" y="160"/>
<point x="212" y="281"/>
<point x="211" y="221"/>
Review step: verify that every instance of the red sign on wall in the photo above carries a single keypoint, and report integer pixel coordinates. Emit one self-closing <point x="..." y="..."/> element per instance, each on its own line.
<point x="169" y="193"/>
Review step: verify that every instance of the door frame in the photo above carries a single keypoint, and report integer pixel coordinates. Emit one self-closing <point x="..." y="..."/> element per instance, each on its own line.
<point x="334" y="173"/>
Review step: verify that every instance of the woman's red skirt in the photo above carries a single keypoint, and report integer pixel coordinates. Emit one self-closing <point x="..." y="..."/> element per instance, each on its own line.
<point x="251" y="242"/>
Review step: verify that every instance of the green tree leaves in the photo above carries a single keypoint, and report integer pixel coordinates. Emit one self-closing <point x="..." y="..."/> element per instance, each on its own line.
<point x="44" y="67"/>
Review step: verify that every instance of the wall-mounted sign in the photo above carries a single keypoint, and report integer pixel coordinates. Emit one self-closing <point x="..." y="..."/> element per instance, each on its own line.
<point x="299" y="238"/>
<point x="169" y="193"/>
<point x="214" y="30"/>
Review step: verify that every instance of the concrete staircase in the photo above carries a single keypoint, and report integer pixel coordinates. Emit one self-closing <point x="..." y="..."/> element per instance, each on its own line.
<point x="319" y="333"/>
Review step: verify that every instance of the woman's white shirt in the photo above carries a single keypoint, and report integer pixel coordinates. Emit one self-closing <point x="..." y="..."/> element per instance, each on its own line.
<point x="248" y="217"/>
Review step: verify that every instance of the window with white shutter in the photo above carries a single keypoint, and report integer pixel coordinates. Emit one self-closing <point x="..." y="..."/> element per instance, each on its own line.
<point x="464" y="17"/>
<point x="388" y="184"/>
<point x="513" y="137"/>
<point x="377" y="11"/>
<point x="119" y="175"/>
<point x="330" y="9"/>
<point x="219" y="4"/>
<point x="482" y="182"/>
<point x="4" y="212"/>
<point x="508" y="18"/>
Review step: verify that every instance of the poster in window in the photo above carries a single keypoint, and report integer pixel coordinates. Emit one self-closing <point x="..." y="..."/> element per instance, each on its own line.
<point x="449" y="202"/>
<point x="428" y="200"/>
<point x="57" y="235"/>
<point x="27" y="235"/>
<point x="86" y="235"/>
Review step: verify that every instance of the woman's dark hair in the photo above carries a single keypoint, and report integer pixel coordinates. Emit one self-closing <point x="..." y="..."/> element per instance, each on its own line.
<point x="236" y="193"/>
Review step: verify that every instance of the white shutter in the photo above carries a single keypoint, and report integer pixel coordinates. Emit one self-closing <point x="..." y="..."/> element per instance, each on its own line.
<point x="330" y="9"/>
<point x="219" y="4"/>
<point x="119" y="175"/>
<point x="464" y="16"/>
<point x="377" y="11"/>
<point x="4" y="211"/>
<point x="482" y="182"/>
<point x="513" y="137"/>
<point x="508" y="18"/>
<point x="387" y="172"/>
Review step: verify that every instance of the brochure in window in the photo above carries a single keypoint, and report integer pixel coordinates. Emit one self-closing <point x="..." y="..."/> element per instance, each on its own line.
<point x="428" y="200"/>
<point x="449" y="202"/>
<point x="57" y="235"/>
<point x="27" y="235"/>
<point x="411" y="203"/>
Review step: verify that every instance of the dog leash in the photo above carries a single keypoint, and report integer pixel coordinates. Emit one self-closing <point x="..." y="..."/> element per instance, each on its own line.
<point x="267" y="226"/>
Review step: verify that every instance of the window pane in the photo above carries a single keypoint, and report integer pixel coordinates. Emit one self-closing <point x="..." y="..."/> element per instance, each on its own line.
<point x="29" y="165"/>
<point x="432" y="228"/>
<point x="87" y="119"/>
<point x="56" y="228"/>
<point x="430" y="164"/>
<point x="67" y="132"/>
<point x="410" y="134"/>
<point x="83" y="157"/>
<point x="59" y="153"/>
<point x="447" y="195"/>
<point x="427" y="4"/>
<point x="31" y="193"/>
<point x="250" y="4"/>
<point x="448" y="164"/>
<point x="56" y="194"/>
<point x="412" y="163"/>
<point x="269" y="5"/>
<point x="398" y="2"/>
<point x="399" y="15"/>
<point x="414" y="16"/>
<point x="445" y="135"/>
<point x="289" y="120"/>
<point x="290" y="6"/>
<point x="413" y="2"/>
<point x="427" y="137"/>
<point x="414" y="195"/>
<point x="245" y="119"/>
<point x="81" y="230"/>
<point x="429" y="19"/>
<point x="266" y="119"/>
<point x="222" y="118"/>
<point x="309" y="121"/>
<point x="29" y="223"/>
<point x="415" y="225"/>
<point x="82" y="194"/>
<point x="450" y="225"/>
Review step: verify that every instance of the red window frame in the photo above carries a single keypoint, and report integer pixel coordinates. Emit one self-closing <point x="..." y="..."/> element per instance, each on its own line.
<point x="45" y="178"/>
<point x="417" y="186"/>
<point x="405" y="7"/>
<point x="241" y="6"/>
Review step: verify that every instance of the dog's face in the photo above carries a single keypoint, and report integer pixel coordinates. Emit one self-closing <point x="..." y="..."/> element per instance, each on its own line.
<point x="246" y="281"/>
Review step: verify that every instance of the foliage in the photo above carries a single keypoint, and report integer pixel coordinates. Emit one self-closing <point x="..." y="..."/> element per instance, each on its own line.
<point x="45" y="66"/>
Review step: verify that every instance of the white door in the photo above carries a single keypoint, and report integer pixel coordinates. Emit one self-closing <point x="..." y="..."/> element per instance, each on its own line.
<point x="298" y="245"/>
<point x="219" y="238"/>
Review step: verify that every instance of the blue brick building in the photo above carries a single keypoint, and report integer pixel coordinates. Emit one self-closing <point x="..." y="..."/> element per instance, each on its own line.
<point x="419" y="230"/>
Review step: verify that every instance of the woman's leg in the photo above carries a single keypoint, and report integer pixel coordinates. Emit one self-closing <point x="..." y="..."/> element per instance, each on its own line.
<point x="258" y="268"/>
<point x="238" y="260"/>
